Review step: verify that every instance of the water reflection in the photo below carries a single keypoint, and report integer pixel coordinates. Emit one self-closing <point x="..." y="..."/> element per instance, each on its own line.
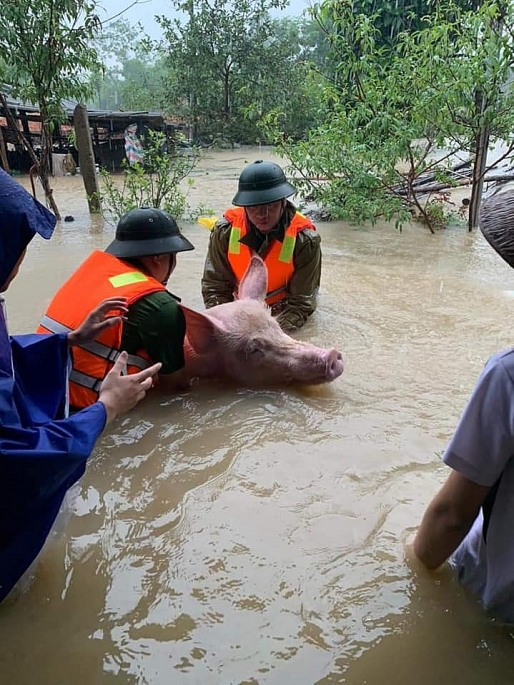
<point x="256" y="536"/>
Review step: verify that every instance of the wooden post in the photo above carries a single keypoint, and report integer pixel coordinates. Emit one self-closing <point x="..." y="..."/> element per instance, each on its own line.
<point x="3" y="153"/>
<point x="86" y="158"/>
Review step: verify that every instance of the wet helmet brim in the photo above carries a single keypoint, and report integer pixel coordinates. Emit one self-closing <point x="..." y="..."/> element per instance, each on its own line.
<point x="144" y="248"/>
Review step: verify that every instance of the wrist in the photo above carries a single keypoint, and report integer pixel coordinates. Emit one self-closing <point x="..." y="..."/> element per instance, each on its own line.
<point x="110" y="411"/>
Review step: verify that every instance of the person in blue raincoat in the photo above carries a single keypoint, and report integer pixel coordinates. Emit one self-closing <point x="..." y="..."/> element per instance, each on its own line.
<point x="43" y="450"/>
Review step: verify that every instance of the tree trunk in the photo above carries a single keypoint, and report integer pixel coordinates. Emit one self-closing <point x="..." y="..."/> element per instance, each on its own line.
<point x="44" y="162"/>
<point x="24" y="142"/>
<point x="19" y="135"/>
<point x="479" y="167"/>
<point x="86" y="158"/>
<point x="226" y="94"/>
<point x="484" y="131"/>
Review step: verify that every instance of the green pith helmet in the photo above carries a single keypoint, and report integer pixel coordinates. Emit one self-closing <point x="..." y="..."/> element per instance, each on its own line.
<point x="147" y="231"/>
<point x="261" y="183"/>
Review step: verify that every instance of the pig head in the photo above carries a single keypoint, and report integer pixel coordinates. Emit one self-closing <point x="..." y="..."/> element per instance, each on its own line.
<point x="241" y="341"/>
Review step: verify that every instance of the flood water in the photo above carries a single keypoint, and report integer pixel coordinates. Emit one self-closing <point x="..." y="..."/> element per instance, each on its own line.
<point x="238" y="536"/>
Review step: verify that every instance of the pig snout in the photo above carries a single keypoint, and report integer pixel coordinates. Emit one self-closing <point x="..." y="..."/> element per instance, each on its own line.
<point x="333" y="363"/>
<point x="317" y="366"/>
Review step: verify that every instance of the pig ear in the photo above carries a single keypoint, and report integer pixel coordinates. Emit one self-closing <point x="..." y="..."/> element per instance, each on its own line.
<point x="254" y="284"/>
<point x="201" y="331"/>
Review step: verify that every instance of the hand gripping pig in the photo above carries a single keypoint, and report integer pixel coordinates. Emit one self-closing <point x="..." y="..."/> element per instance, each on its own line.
<point x="241" y="340"/>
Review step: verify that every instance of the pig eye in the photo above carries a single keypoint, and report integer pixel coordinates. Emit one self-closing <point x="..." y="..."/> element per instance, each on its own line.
<point x="254" y="347"/>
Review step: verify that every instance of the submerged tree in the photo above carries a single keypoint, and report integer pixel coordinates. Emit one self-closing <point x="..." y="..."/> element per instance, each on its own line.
<point x="394" y="116"/>
<point x="46" y="45"/>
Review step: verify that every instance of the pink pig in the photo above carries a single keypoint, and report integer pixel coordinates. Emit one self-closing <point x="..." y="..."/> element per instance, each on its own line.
<point x="241" y="340"/>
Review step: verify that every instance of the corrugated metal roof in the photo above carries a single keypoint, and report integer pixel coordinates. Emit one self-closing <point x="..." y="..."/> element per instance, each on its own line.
<point x="69" y="107"/>
<point x="16" y="103"/>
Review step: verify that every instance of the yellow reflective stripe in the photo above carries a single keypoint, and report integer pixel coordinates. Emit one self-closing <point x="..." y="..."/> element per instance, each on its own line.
<point x="234" y="246"/>
<point x="127" y="279"/>
<point x="287" y="249"/>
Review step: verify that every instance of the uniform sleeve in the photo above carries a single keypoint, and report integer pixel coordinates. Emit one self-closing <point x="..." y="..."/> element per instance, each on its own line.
<point x="483" y="441"/>
<point x="218" y="280"/>
<point x="303" y="287"/>
<point x="157" y="324"/>
<point x="38" y="464"/>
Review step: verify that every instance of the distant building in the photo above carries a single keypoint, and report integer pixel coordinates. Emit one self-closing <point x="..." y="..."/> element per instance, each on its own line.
<point x="107" y="132"/>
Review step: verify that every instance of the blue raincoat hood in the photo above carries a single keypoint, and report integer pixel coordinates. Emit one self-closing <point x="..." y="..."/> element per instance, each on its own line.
<point x="21" y="217"/>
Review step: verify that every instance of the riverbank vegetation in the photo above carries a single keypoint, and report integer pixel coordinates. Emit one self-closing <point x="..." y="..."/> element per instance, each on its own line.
<point x="379" y="107"/>
<point x="156" y="182"/>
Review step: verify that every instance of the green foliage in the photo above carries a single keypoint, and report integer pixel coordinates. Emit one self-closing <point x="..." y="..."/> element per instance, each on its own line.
<point x="201" y="210"/>
<point x="72" y="138"/>
<point x="440" y="211"/>
<point x="391" y="112"/>
<point x="389" y="18"/>
<point x="131" y="74"/>
<point x="46" y="45"/>
<point x="47" y="53"/>
<point x="154" y="183"/>
<point x="228" y="63"/>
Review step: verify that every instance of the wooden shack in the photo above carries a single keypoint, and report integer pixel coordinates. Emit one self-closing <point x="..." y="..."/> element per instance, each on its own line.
<point x="107" y="132"/>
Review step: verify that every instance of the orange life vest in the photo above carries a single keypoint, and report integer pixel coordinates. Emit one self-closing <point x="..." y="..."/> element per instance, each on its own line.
<point x="278" y="260"/>
<point x="99" y="277"/>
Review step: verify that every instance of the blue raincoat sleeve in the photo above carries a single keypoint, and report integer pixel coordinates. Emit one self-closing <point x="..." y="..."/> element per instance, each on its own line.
<point x="41" y="454"/>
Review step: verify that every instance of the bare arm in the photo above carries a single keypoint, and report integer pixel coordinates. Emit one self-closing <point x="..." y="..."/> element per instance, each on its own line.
<point x="448" y="519"/>
<point x="479" y="450"/>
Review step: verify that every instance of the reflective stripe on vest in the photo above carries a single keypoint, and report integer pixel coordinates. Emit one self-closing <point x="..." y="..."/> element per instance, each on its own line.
<point x="111" y="354"/>
<point x="276" y="292"/>
<point x="99" y="277"/>
<point x="234" y="246"/>
<point x="127" y="279"/>
<point x="85" y="381"/>
<point x="286" y="251"/>
<point x="279" y="258"/>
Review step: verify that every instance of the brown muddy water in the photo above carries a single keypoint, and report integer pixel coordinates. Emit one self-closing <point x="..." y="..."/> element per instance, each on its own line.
<point x="235" y="536"/>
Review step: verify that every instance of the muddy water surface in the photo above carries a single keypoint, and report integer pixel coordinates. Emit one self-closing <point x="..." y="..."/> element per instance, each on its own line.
<point x="239" y="536"/>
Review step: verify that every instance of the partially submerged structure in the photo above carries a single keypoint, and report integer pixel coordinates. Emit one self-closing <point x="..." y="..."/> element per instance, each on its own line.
<point x="108" y="132"/>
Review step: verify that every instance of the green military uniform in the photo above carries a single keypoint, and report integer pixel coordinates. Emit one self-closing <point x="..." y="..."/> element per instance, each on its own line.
<point x="219" y="282"/>
<point x="156" y="324"/>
